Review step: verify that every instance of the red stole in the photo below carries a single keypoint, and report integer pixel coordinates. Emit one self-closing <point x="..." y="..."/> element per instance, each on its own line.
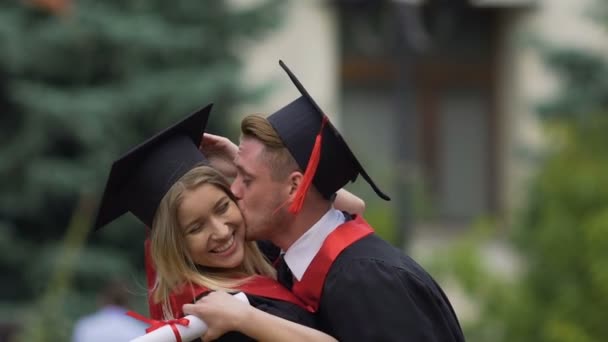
<point x="156" y="311"/>
<point x="257" y="286"/>
<point x="310" y="288"/>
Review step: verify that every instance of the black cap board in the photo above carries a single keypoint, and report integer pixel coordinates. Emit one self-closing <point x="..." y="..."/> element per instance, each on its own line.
<point x="140" y="178"/>
<point x="298" y="124"/>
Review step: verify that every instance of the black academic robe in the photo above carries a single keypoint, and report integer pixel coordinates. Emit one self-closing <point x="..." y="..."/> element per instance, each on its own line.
<point x="263" y="293"/>
<point x="370" y="291"/>
<point x="375" y="293"/>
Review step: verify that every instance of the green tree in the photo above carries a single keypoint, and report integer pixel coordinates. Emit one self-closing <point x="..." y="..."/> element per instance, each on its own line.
<point x="563" y="232"/>
<point x="80" y="82"/>
<point x="561" y="294"/>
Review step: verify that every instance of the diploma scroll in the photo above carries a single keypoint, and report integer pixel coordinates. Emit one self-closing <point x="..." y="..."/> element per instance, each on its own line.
<point x="188" y="333"/>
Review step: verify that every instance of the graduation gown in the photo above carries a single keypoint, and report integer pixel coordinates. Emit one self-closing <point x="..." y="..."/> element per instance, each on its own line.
<point x="364" y="289"/>
<point x="263" y="293"/>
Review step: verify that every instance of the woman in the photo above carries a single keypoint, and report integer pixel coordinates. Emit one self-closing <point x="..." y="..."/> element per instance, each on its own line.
<point x="198" y="239"/>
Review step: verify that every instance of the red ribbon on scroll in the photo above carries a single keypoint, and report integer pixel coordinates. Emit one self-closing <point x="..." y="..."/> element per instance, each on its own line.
<point x="154" y="324"/>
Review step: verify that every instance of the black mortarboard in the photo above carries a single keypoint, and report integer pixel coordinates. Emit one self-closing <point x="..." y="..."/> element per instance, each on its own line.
<point x="298" y="124"/>
<point x="141" y="177"/>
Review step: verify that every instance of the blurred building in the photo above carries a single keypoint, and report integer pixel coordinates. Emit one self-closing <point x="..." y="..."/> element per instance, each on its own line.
<point x="438" y="93"/>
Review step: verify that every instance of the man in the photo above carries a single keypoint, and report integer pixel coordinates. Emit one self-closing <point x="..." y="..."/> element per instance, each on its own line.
<point x="289" y="167"/>
<point x="110" y="322"/>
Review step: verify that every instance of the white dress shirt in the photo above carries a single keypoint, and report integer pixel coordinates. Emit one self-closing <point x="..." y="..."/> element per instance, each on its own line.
<point x="301" y="253"/>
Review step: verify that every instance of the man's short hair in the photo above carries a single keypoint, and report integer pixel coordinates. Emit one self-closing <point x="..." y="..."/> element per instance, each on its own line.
<point x="115" y="292"/>
<point x="280" y="161"/>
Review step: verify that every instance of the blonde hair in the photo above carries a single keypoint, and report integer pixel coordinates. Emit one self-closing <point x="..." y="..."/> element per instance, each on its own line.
<point x="280" y="161"/>
<point x="174" y="265"/>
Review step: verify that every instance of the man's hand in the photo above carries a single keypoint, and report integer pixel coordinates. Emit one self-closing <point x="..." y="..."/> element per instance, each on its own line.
<point x="220" y="152"/>
<point x="220" y="311"/>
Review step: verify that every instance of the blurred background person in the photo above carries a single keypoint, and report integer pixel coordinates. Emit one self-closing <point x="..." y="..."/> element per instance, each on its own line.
<point x="109" y="322"/>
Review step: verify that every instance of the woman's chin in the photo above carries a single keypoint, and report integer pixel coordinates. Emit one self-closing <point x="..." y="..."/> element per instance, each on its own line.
<point x="236" y="260"/>
<point x="231" y="258"/>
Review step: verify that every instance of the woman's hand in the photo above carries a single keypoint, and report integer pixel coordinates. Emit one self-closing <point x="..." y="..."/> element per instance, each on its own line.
<point x="221" y="312"/>
<point x="220" y="152"/>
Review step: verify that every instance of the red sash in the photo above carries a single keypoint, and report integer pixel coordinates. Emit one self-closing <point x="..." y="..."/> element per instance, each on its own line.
<point x="156" y="311"/>
<point x="257" y="286"/>
<point x="310" y="288"/>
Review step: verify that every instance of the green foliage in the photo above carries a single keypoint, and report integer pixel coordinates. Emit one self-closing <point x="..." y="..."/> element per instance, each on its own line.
<point x="561" y="295"/>
<point x="77" y="89"/>
<point x="381" y="217"/>
<point x="585" y="89"/>
<point x="564" y="236"/>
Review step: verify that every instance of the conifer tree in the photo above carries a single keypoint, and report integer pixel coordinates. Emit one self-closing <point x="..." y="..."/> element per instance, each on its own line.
<point x="81" y="82"/>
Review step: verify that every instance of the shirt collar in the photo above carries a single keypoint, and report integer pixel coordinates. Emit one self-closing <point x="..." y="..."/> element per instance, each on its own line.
<point x="301" y="253"/>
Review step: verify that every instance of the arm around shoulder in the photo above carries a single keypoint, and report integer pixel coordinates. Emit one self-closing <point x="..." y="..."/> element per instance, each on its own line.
<point x="349" y="202"/>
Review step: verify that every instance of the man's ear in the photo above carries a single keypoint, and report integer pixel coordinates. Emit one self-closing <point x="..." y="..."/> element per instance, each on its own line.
<point x="294" y="180"/>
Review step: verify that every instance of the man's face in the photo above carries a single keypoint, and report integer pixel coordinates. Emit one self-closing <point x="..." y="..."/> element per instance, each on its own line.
<point x="261" y="198"/>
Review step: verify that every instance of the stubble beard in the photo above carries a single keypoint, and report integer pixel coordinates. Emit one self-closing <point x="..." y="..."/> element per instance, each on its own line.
<point x="260" y="229"/>
<point x="268" y="226"/>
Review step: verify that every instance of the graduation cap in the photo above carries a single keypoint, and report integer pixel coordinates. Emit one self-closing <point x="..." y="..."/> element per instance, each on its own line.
<point x="141" y="177"/>
<point x="317" y="146"/>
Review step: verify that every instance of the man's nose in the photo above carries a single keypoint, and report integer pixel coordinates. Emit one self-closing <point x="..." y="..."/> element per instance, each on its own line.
<point x="236" y="189"/>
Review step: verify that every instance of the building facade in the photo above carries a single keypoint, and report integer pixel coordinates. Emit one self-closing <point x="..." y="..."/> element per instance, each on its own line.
<point x="437" y="97"/>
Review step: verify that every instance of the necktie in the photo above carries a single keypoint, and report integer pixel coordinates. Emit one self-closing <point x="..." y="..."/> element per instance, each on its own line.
<point x="284" y="275"/>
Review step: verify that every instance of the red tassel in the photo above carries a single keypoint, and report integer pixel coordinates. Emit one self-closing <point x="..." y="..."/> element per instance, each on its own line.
<point x="309" y="174"/>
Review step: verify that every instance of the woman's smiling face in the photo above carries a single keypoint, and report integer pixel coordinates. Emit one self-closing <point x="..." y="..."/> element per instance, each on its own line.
<point x="213" y="227"/>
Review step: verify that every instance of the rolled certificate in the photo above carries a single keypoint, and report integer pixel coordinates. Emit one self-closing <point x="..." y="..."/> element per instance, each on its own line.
<point x="192" y="331"/>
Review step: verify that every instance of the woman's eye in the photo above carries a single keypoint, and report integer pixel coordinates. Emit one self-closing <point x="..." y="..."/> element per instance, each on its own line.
<point x="223" y="207"/>
<point x="194" y="229"/>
